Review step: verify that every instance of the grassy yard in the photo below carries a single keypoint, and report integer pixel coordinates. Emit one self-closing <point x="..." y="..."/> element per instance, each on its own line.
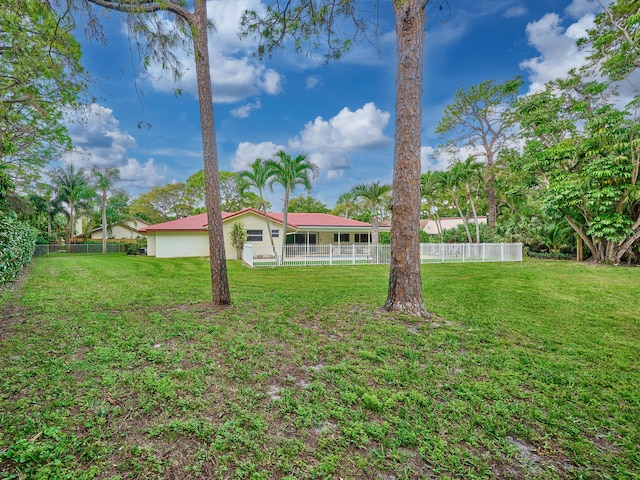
<point x="118" y="368"/>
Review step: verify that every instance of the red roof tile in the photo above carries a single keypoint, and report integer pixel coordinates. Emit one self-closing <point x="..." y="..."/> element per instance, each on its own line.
<point x="295" y="220"/>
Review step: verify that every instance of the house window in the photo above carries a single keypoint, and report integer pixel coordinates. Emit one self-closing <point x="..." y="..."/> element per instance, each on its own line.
<point x="344" y="238"/>
<point x="275" y="233"/>
<point x="254" y="235"/>
<point x="362" y="238"/>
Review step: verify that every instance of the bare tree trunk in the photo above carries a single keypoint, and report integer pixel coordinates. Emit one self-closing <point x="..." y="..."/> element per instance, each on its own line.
<point x="219" y="279"/>
<point x="475" y="214"/>
<point x="405" y="280"/>
<point x="104" y="222"/>
<point x="491" y="194"/>
<point x="285" y="215"/>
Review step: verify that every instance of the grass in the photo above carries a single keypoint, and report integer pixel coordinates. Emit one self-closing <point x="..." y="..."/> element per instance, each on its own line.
<point x="118" y="367"/>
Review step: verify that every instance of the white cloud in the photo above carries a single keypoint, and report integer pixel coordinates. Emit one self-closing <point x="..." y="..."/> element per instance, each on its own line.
<point x="330" y="143"/>
<point x="247" y="153"/>
<point x="140" y="175"/>
<point x="97" y="137"/>
<point x="313" y="81"/>
<point x="98" y="140"/>
<point x="235" y="74"/>
<point x="431" y="161"/>
<point x="579" y="8"/>
<point x="557" y="46"/>
<point x="245" y="110"/>
<point x="516" y="11"/>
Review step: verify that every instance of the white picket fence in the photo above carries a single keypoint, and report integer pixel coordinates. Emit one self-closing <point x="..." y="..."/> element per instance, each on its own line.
<point x="353" y="254"/>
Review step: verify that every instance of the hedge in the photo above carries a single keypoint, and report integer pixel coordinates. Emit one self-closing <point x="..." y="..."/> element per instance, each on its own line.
<point x="17" y="244"/>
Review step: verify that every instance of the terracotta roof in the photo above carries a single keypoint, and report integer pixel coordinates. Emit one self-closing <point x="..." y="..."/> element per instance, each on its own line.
<point x="194" y="222"/>
<point x="294" y="220"/>
<point x="318" y="220"/>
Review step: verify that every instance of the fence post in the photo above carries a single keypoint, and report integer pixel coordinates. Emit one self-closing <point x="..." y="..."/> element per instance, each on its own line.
<point x="502" y="252"/>
<point x="331" y="254"/>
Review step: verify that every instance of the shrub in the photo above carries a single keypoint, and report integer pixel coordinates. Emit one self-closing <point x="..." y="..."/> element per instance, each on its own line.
<point x="17" y="244"/>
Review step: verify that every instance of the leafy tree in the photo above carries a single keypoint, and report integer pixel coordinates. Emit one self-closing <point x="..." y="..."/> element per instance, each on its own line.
<point x="431" y="191"/>
<point x="373" y="193"/>
<point x="450" y="182"/>
<point x="344" y="205"/>
<point x="162" y="38"/>
<point x="104" y="180"/>
<point x="40" y="76"/>
<point x="258" y="176"/>
<point x="72" y="188"/>
<point x="480" y="118"/>
<point x="238" y="237"/>
<point x="586" y="155"/>
<point x="235" y="194"/>
<point x="162" y="204"/>
<point x="318" y="22"/>
<point x="467" y="172"/>
<point x="290" y="172"/>
<point x="307" y="204"/>
<point x="615" y="39"/>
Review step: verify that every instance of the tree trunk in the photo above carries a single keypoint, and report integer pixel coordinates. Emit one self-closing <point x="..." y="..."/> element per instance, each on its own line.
<point x="475" y="214"/>
<point x="285" y="214"/>
<point x="219" y="280"/>
<point x="405" y="281"/>
<point x="464" y="219"/>
<point x="104" y="222"/>
<point x="491" y="193"/>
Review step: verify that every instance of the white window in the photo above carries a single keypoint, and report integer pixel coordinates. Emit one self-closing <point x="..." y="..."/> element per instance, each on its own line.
<point x="275" y="233"/>
<point x="254" y="235"/>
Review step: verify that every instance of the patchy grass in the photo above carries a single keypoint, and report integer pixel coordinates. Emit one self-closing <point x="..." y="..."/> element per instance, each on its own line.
<point x="118" y="367"/>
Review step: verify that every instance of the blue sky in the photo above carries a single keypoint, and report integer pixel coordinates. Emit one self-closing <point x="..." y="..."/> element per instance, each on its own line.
<point x="341" y="114"/>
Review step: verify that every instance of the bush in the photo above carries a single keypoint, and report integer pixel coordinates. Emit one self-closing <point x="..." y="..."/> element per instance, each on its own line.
<point x="17" y="244"/>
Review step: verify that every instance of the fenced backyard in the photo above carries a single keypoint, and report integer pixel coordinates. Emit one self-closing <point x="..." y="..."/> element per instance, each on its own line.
<point x="353" y="254"/>
<point x="78" y="248"/>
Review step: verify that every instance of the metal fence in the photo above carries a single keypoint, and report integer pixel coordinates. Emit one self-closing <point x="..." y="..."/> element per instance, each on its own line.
<point x="77" y="248"/>
<point x="353" y="254"/>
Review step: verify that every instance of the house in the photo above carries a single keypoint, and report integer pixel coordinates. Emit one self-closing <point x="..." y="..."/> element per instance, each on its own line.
<point x="431" y="226"/>
<point x="126" y="229"/>
<point x="187" y="237"/>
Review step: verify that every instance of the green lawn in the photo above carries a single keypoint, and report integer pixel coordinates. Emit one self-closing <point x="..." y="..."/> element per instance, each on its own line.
<point x="117" y="367"/>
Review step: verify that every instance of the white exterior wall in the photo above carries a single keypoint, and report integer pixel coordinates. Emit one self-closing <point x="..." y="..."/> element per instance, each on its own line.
<point x="251" y="221"/>
<point x="180" y="244"/>
<point x="151" y="244"/>
<point x="448" y="223"/>
<point x="117" y="231"/>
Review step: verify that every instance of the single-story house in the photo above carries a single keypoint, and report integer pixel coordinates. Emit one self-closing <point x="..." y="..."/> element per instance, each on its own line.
<point x="431" y="226"/>
<point x="126" y="229"/>
<point x="187" y="237"/>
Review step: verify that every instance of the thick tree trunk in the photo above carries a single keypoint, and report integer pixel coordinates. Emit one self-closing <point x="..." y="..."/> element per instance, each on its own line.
<point x="219" y="279"/>
<point x="405" y="281"/>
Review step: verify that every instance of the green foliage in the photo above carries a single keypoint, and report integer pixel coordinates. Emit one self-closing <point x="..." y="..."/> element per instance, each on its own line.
<point x="17" y="244"/>
<point x="589" y="176"/>
<point x="307" y="204"/>
<point x="615" y="39"/>
<point x="163" y="203"/>
<point x="132" y="373"/>
<point x="40" y="76"/>
<point x="238" y="236"/>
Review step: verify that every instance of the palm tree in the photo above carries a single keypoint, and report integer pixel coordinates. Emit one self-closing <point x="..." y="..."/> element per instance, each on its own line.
<point x="430" y="190"/>
<point x="450" y="181"/>
<point x="373" y="193"/>
<point x="290" y="172"/>
<point x="259" y="177"/>
<point x="104" y="181"/>
<point x="71" y="187"/>
<point x="466" y="172"/>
